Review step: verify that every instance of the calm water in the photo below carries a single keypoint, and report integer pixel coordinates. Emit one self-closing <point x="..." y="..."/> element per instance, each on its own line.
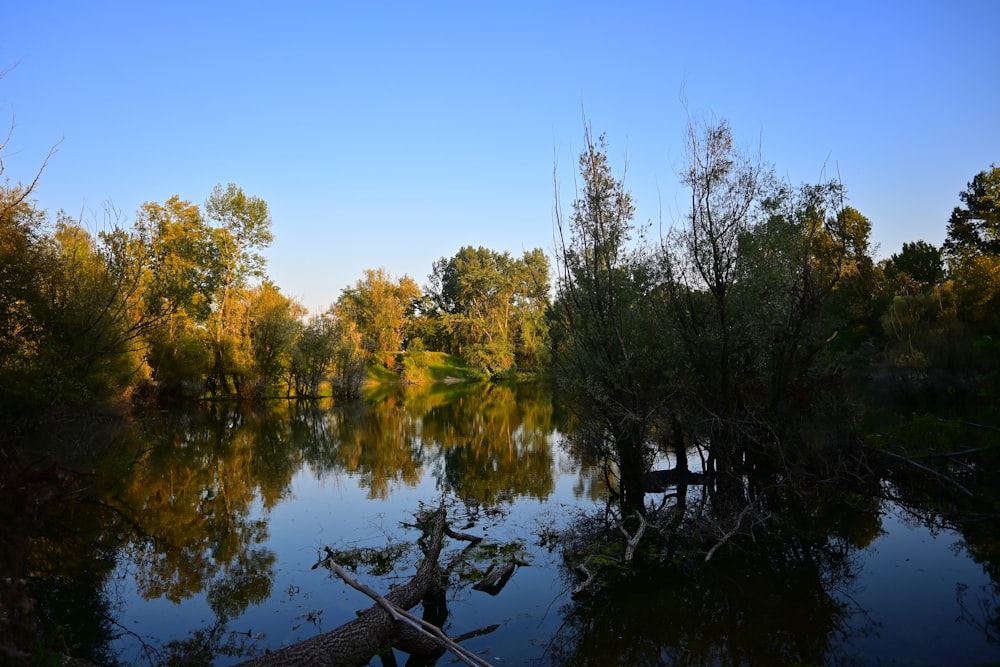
<point x="215" y="531"/>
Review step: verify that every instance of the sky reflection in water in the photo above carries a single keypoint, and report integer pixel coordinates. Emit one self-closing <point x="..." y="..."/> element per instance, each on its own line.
<point x="902" y="600"/>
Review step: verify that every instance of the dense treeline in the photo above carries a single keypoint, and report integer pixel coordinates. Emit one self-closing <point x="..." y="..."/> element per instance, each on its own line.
<point x="749" y="330"/>
<point x="177" y="304"/>
<point x="748" y="310"/>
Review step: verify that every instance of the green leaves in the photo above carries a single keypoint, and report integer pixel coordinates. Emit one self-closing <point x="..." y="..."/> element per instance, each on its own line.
<point x="975" y="228"/>
<point x="492" y="307"/>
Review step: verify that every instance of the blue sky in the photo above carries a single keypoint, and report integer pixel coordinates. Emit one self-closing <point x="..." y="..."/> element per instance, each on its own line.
<point x="391" y="134"/>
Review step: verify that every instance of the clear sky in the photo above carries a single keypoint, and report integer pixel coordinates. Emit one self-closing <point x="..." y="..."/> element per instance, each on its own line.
<point x="391" y="134"/>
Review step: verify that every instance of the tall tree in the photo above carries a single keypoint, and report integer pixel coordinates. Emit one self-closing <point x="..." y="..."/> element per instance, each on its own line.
<point x="761" y="280"/>
<point x="26" y="262"/>
<point x="918" y="267"/>
<point x="313" y="355"/>
<point x="973" y="250"/>
<point x="182" y="269"/>
<point x="725" y="183"/>
<point x="241" y="230"/>
<point x="605" y="334"/>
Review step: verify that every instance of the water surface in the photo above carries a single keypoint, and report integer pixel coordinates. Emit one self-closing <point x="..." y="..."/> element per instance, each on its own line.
<point x="214" y="533"/>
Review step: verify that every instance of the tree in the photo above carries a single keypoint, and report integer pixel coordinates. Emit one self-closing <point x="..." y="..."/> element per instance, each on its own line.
<point x="380" y="308"/>
<point x="604" y="331"/>
<point x="725" y="184"/>
<point x="973" y="250"/>
<point x="350" y="359"/>
<point x="241" y="229"/>
<point x="919" y="266"/>
<point x="975" y="227"/>
<point x="26" y="262"/>
<point x="183" y="263"/>
<point x="274" y="324"/>
<point x="807" y="263"/>
<point x="759" y="282"/>
<point x="532" y="303"/>
<point x="492" y="306"/>
<point x="176" y="249"/>
<point x="313" y="355"/>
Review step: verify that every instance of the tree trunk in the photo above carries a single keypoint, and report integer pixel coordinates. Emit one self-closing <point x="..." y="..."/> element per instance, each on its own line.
<point x="632" y="467"/>
<point x="355" y="642"/>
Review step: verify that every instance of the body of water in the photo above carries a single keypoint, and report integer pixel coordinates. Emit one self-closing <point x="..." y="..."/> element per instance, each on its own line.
<point x="211" y="539"/>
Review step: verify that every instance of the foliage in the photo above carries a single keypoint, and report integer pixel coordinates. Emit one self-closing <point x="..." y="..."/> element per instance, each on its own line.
<point x="491" y="307"/>
<point x="918" y="267"/>
<point x="69" y="330"/>
<point x="605" y="329"/>
<point x="923" y="332"/>
<point x="313" y="355"/>
<point x="241" y="229"/>
<point x="350" y="359"/>
<point x="415" y="362"/>
<point x="379" y="307"/>
<point x="274" y="326"/>
<point x="975" y="227"/>
<point x="759" y="284"/>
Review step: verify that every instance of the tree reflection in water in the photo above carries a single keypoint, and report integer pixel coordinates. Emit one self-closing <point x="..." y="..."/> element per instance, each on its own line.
<point x="192" y="520"/>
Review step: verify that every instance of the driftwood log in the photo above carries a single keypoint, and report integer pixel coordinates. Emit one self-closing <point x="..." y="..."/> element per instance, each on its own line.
<point x="375" y="629"/>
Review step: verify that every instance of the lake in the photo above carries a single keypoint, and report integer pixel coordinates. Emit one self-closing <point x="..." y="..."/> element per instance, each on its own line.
<point x="203" y="549"/>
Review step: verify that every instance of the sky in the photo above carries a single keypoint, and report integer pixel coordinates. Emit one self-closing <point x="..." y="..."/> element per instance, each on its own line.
<point x="389" y="135"/>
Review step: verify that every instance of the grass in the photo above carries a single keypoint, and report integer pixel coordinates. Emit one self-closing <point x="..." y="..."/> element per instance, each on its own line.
<point x="441" y="367"/>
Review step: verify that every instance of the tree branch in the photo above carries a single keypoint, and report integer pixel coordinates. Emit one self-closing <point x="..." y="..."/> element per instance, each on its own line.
<point x="404" y="616"/>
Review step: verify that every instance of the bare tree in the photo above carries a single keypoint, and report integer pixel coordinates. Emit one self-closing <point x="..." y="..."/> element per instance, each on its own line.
<point x="21" y="192"/>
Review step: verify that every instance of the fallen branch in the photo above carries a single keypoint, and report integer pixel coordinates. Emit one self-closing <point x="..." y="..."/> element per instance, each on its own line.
<point x="728" y="536"/>
<point x="355" y="642"/>
<point x="985" y="427"/>
<point x="589" y="577"/>
<point x="465" y="537"/>
<point x="632" y="540"/>
<point x="404" y="616"/>
<point x="937" y="474"/>
<point x="963" y="452"/>
<point x="495" y="579"/>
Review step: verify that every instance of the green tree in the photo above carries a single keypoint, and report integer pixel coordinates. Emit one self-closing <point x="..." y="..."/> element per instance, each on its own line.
<point x="760" y="282"/>
<point x="725" y="184"/>
<point x="919" y="266"/>
<point x="313" y="355"/>
<point x="241" y="229"/>
<point x="975" y="227"/>
<point x="350" y="359"/>
<point x="380" y="308"/>
<point x="492" y="306"/>
<point x="532" y="304"/>
<point x="972" y="247"/>
<point x="808" y="264"/>
<point x="180" y="255"/>
<point x="182" y="272"/>
<point x="77" y="321"/>
<point x="26" y="262"/>
<point x="274" y="325"/>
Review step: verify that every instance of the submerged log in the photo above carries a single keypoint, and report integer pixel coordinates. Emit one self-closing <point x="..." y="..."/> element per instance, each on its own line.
<point x="495" y="579"/>
<point x="656" y="481"/>
<point x="375" y="629"/>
